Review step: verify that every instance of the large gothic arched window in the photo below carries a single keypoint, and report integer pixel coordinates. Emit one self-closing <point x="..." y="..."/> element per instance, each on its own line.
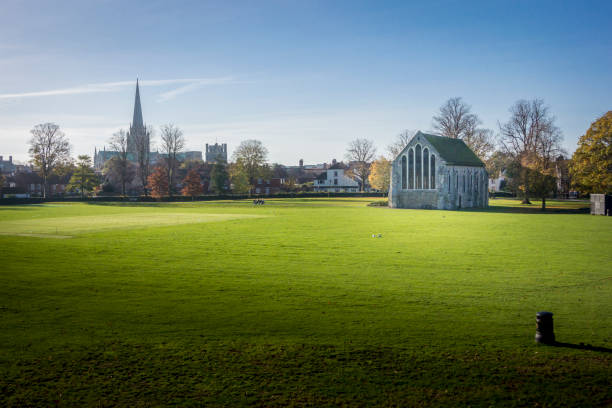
<point x="433" y="171"/>
<point x="426" y="168"/>
<point x="404" y="178"/>
<point x="411" y="169"/>
<point x="418" y="161"/>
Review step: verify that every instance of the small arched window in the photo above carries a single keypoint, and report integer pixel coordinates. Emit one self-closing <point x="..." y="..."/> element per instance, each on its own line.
<point x="433" y="171"/>
<point x="469" y="182"/>
<point x="411" y="169"/>
<point x="426" y="168"/>
<point x="418" y="168"/>
<point x="404" y="177"/>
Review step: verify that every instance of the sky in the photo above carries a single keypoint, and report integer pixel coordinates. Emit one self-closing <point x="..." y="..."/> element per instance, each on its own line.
<point x="304" y="77"/>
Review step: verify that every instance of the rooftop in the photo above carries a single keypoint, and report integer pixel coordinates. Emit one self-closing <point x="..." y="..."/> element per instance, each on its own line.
<point x="453" y="151"/>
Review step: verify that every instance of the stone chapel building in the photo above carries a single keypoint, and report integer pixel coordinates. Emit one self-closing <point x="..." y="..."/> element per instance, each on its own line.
<point x="438" y="172"/>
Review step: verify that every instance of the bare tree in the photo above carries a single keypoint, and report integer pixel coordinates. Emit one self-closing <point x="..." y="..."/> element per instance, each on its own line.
<point x="481" y="141"/>
<point x="49" y="148"/>
<point x="362" y="152"/>
<point x="531" y="137"/>
<point x="119" y="143"/>
<point x="252" y="156"/>
<point x="172" y="143"/>
<point x="115" y="174"/>
<point x="455" y="120"/>
<point x="142" y="146"/>
<point x="400" y="142"/>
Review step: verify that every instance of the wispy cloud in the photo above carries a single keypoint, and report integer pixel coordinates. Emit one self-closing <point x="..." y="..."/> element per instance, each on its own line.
<point x="189" y="84"/>
<point x="195" y="84"/>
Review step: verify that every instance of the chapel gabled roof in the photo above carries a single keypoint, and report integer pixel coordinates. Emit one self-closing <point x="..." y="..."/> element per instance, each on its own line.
<point x="453" y="151"/>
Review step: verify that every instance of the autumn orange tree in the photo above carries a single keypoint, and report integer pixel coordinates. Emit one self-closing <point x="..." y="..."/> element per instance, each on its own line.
<point x="158" y="182"/>
<point x="380" y="174"/>
<point x="192" y="184"/>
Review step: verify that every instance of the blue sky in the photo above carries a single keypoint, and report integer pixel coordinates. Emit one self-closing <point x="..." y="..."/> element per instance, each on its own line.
<point x="304" y="77"/>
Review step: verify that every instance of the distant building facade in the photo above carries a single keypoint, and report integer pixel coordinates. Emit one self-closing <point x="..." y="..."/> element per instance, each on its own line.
<point x="28" y="183"/>
<point x="437" y="172"/>
<point x="334" y="180"/>
<point x="7" y="166"/>
<point x="216" y="153"/>
<point x="268" y="186"/>
<point x="496" y="184"/>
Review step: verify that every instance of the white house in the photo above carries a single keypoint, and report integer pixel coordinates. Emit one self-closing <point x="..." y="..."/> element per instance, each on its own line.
<point x="496" y="183"/>
<point x="335" y="181"/>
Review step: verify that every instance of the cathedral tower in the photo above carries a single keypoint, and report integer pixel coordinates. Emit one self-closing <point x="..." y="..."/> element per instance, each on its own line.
<point x="138" y="138"/>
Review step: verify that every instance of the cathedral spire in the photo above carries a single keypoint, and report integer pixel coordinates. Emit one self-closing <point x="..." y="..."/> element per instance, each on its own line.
<point x="137" y="122"/>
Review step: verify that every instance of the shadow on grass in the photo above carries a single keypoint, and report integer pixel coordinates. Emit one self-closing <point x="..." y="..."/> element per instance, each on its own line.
<point x="20" y="207"/>
<point x="581" y="346"/>
<point x="529" y="210"/>
<point x="320" y="201"/>
<point x="132" y="203"/>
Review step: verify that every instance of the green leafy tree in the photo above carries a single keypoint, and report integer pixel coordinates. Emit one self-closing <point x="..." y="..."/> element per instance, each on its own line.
<point x="591" y="164"/>
<point x="291" y="184"/>
<point x="543" y="183"/>
<point x="239" y="179"/>
<point x="497" y="163"/>
<point x="219" y="177"/>
<point x="251" y="156"/>
<point x="83" y="179"/>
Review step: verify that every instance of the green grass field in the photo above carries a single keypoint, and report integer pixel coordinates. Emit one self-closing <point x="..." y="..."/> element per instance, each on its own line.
<point x="295" y="303"/>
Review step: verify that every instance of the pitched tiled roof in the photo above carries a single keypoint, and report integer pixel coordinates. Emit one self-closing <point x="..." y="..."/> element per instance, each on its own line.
<point x="453" y="151"/>
<point x="337" y="166"/>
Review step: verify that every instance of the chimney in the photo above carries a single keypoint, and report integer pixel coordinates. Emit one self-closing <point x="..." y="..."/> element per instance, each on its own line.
<point x="11" y="159"/>
<point x="301" y="162"/>
<point x="0" y="158"/>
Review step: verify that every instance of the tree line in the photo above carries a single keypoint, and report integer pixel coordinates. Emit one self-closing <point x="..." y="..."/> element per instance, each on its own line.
<point x="525" y="147"/>
<point x="131" y="168"/>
